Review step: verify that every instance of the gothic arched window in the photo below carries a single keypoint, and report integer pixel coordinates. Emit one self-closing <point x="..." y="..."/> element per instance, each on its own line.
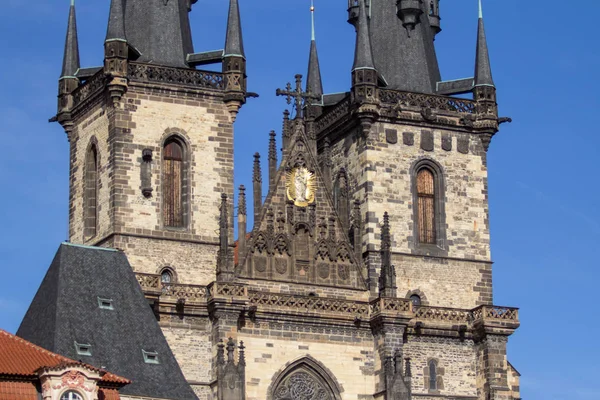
<point x="432" y="375"/>
<point x="304" y="379"/>
<point x="426" y="204"/>
<point x="173" y="175"/>
<point x="90" y="195"/>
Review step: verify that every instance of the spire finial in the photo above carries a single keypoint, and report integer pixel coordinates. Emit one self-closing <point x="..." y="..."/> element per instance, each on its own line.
<point x="480" y="10"/>
<point x="71" y="55"/>
<point x="312" y="17"/>
<point x="116" y="22"/>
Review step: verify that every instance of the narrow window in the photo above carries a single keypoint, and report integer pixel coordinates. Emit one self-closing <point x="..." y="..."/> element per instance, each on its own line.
<point x="172" y="184"/>
<point x="432" y="375"/>
<point x="426" y="205"/>
<point x="90" y="193"/>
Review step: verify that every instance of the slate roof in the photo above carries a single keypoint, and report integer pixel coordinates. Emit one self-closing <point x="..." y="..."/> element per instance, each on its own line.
<point x="234" y="43"/>
<point x="159" y="30"/>
<point x="66" y="310"/>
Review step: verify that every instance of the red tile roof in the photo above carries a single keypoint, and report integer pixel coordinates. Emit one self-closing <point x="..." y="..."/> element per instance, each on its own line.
<point x="19" y="357"/>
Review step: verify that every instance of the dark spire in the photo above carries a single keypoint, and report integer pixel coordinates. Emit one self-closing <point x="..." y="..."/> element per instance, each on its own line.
<point x="159" y="30"/>
<point x="483" y="69"/>
<point x="71" y="57"/>
<point x="363" y="54"/>
<point x="402" y="41"/>
<point x="242" y="215"/>
<point x="116" y="21"/>
<point x="234" y="43"/>
<point x="314" y="84"/>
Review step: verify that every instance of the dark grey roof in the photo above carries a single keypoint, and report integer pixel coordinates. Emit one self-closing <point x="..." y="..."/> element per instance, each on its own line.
<point x="159" y="30"/>
<point x="65" y="310"/>
<point x="363" y="54"/>
<point x="406" y="60"/>
<point x="483" y="69"/>
<point x="234" y="43"/>
<point x="116" y="21"/>
<point x="71" y="56"/>
<point x="313" y="80"/>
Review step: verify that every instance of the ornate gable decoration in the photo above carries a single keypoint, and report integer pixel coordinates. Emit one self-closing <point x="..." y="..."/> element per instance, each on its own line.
<point x="299" y="236"/>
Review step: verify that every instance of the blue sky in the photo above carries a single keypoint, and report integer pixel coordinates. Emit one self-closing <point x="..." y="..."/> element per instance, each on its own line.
<point x="545" y="218"/>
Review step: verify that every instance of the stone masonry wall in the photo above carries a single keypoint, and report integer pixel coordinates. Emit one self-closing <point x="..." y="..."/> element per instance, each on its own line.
<point x="380" y="176"/>
<point x="349" y="360"/>
<point x="456" y="365"/>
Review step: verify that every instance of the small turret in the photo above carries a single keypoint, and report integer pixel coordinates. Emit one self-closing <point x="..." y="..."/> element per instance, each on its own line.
<point x="272" y="159"/>
<point x="364" y="74"/>
<point x="484" y="91"/>
<point x="434" y="17"/>
<point x="234" y="62"/>
<point x="116" y="51"/>
<point x="68" y="80"/>
<point x="353" y="10"/>
<point x="409" y="11"/>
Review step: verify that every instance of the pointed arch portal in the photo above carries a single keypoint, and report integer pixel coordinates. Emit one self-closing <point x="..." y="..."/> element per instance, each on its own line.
<point x="304" y="379"/>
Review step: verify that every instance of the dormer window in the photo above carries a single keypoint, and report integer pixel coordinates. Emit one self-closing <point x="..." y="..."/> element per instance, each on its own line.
<point x="83" y="349"/>
<point x="150" y="357"/>
<point x="105" y="304"/>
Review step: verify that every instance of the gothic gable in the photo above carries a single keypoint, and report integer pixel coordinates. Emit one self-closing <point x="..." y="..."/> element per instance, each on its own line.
<point x="300" y="237"/>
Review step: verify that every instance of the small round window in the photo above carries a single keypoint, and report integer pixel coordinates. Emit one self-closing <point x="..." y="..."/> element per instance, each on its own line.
<point x="71" y="395"/>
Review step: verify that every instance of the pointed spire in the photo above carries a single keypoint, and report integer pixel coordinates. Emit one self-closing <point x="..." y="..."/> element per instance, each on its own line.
<point x="483" y="69"/>
<point x="363" y="55"/>
<point x="257" y="179"/>
<point x="224" y="272"/>
<point x="234" y="43"/>
<point x="272" y="158"/>
<point x="116" y="22"/>
<point x="71" y="56"/>
<point x="242" y="215"/>
<point x="387" y="278"/>
<point x="314" y="84"/>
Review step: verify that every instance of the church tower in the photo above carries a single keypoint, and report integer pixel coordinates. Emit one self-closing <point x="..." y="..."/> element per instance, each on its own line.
<point x="367" y="273"/>
<point x="151" y="138"/>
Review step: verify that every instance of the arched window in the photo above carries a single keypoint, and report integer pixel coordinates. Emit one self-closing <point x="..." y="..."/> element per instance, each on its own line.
<point x="71" y="395"/>
<point x="90" y="196"/>
<point x="166" y="277"/>
<point x="173" y="174"/>
<point x="426" y="199"/>
<point x="304" y="379"/>
<point x="432" y="375"/>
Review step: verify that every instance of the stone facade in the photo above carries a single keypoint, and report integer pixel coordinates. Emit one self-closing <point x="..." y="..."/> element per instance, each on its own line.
<point x="319" y="300"/>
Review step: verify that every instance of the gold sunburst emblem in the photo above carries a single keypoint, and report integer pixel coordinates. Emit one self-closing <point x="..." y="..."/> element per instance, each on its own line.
<point x="301" y="184"/>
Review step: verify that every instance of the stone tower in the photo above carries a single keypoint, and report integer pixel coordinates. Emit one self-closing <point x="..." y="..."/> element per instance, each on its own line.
<point x="367" y="273"/>
<point x="151" y="138"/>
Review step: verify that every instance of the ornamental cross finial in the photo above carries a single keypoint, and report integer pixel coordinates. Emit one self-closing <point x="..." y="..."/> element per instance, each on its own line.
<point x="298" y="94"/>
